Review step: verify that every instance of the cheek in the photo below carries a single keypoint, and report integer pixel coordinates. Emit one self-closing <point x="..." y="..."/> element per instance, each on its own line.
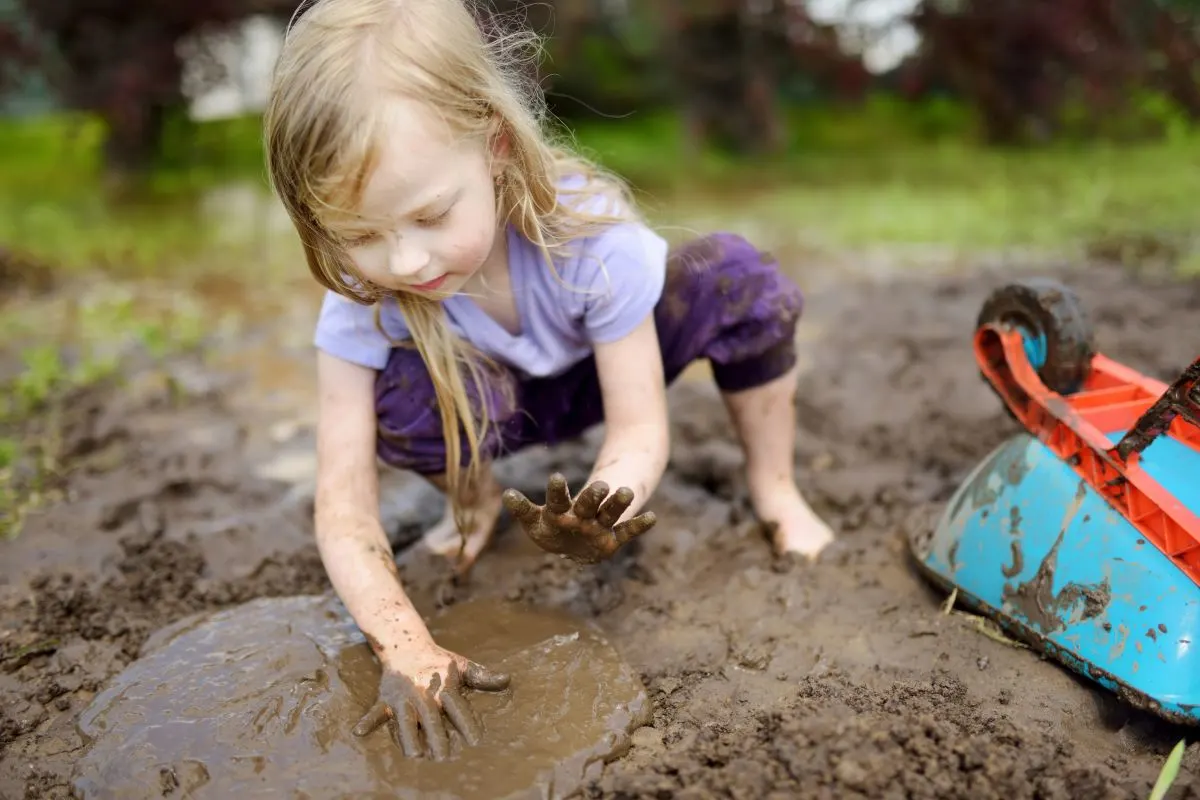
<point x="485" y="240"/>
<point x="374" y="264"/>
<point x="474" y="240"/>
<point x="370" y="261"/>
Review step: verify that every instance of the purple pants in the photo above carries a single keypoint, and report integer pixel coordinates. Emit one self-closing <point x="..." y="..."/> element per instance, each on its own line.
<point x="724" y="300"/>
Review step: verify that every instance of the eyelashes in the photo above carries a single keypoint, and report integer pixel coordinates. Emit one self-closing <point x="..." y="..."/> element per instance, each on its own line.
<point x="361" y="240"/>
<point x="436" y="219"/>
<point x="364" y="239"/>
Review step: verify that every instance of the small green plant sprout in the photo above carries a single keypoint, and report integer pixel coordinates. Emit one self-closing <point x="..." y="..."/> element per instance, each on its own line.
<point x="1170" y="771"/>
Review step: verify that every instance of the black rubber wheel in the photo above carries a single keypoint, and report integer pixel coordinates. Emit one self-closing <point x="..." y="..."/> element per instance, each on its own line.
<point x="1047" y="307"/>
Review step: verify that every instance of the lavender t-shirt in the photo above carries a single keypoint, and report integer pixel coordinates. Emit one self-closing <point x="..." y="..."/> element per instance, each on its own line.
<point x="611" y="282"/>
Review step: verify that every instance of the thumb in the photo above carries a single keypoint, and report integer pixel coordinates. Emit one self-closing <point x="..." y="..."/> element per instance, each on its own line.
<point x="521" y="507"/>
<point x="477" y="676"/>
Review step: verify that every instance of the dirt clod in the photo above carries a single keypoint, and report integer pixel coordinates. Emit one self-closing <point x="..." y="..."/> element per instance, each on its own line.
<point x="835" y="739"/>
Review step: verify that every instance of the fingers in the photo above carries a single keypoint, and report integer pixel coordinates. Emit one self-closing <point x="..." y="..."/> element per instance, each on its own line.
<point x="406" y="734"/>
<point x="589" y="500"/>
<point x="558" y="500"/>
<point x="376" y="716"/>
<point x="430" y="714"/>
<point x="521" y="507"/>
<point x="483" y="679"/>
<point x="403" y="729"/>
<point x="478" y="677"/>
<point x="462" y="716"/>
<point x="416" y="721"/>
<point x="633" y="528"/>
<point x="614" y="507"/>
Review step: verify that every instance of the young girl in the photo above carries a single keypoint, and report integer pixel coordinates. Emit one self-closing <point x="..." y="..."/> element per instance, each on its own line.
<point x="488" y="291"/>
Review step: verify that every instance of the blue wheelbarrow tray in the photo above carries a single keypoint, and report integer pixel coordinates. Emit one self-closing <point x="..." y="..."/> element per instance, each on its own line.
<point x="1030" y="545"/>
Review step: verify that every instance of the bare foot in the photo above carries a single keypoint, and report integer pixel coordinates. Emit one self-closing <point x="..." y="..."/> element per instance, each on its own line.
<point x="795" y="527"/>
<point x="445" y="540"/>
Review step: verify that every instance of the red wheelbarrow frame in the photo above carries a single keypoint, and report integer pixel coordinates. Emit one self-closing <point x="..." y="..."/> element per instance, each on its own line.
<point x="1113" y="397"/>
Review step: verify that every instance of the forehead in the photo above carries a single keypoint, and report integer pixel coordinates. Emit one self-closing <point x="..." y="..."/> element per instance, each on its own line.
<point x="417" y="156"/>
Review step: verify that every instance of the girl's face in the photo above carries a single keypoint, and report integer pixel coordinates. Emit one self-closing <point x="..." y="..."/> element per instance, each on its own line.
<point x="427" y="221"/>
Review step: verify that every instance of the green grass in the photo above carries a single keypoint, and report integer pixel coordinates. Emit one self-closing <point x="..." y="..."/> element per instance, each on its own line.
<point x="880" y="176"/>
<point x="99" y="329"/>
<point x="56" y="203"/>
<point x="948" y="193"/>
<point x="30" y="454"/>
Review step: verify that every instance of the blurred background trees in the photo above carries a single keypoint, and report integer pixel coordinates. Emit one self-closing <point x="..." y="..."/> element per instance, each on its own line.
<point x="1030" y="69"/>
<point x="1024" y="70"/>
<point x="122" y="60"/>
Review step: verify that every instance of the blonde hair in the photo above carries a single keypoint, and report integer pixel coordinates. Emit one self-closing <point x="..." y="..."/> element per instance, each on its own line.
<point x="322" y="135"/>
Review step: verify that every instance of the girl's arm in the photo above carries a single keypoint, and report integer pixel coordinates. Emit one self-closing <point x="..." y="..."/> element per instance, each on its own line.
<point x="637" y="438"/>
<point x="420" y="680"/>
<point x="353" y="546"/>
<point x="631" y="459"/>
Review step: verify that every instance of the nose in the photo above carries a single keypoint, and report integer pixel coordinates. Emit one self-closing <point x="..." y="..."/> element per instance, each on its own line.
<point x="406" y="258"/>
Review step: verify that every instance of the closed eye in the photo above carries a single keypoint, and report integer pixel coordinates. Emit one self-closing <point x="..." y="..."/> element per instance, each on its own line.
<point x="430" y="221"/>
<point x="359" y="239"/>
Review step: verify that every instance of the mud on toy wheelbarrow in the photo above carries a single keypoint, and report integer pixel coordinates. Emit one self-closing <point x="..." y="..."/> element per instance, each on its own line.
<point x="1080" y="536"/>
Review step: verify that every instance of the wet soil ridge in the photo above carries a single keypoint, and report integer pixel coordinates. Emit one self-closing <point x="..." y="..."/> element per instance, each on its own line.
<point x="840" y="679"/>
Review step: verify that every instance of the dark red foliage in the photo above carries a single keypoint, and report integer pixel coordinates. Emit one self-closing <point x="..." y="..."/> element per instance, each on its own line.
<point x="120" y="58"/>
<point x="1020" y="62"/>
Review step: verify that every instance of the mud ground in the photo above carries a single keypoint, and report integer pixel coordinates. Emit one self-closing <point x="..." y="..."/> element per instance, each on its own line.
<point x="838" y="680"/>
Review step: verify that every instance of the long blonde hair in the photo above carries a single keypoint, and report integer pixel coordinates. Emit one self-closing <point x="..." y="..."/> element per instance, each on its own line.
<point x="322" y="134"/>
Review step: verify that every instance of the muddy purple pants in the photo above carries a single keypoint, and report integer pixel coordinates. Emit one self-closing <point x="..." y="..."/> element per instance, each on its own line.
<point x="723" y="300"/>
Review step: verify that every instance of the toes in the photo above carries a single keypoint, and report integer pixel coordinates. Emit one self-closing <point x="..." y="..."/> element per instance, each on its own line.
<point x="808" y="544"/>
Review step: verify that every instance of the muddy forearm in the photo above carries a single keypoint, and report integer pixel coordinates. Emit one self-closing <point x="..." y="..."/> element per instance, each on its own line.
<point x="635" y="458"/>
<point x="359" y="562"/>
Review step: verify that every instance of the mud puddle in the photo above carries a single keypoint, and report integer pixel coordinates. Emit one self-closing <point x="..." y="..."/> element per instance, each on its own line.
<point x="842" y="679"/>
<point x="266" y="694"/>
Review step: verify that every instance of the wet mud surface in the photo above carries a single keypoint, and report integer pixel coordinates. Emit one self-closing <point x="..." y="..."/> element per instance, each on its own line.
<point x="222" y="705"/>
<point x="840" y="679"/>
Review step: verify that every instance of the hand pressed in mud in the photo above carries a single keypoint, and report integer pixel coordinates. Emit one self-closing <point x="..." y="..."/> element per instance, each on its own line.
<point x="403" y="704"/>
<point x="585" y="529"/>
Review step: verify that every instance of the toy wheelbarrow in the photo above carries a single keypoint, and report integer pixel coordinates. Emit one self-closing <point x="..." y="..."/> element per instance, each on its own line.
<point x="1081" y="536"/>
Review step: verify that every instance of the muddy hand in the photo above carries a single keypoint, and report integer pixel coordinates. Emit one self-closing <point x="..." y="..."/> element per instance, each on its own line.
<point x="585" y="529"/>
<point x="410" y="710"/>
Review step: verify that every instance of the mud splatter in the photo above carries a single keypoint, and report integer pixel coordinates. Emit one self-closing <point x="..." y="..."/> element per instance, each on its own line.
<point x="1018" y="562"/>
<point x="1036" y="599"/>
<point x="1037" y="602"/>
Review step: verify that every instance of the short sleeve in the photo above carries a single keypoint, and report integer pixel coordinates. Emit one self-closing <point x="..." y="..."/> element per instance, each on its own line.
<point x="623" y="271"/>
<point x="346" y="329"/>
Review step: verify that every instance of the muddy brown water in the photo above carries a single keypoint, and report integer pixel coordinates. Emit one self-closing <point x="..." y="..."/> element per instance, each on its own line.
<point x="223" y="704"/>
<point x="842" y="679"/>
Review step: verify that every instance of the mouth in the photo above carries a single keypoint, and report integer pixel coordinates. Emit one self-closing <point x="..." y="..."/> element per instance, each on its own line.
<point x="429" y="286"/>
